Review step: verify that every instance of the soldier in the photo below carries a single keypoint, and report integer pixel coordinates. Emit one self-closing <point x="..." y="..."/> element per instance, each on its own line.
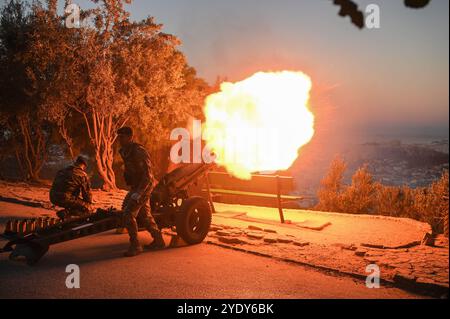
<point x="136" y="205"/>
<point x="67" y="186"/>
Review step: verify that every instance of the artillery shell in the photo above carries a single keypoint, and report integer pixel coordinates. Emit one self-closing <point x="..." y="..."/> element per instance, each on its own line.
<point x="39" y="223"/>
<point x="42" y="222"/>
<point x="31" y="225"/>
<point x="15" y="226"/>
<point x="28" y="226"/>
<point x="22" y="227"/>
<point x="45" y="222"/>
<point x="8" y="226"/>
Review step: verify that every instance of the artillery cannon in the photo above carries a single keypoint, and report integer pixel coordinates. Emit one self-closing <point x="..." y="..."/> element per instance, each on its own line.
<point x="171" y="205"/>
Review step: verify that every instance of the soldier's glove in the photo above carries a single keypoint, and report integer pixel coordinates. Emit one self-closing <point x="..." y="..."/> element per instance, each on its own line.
<point x="135" y="196"/>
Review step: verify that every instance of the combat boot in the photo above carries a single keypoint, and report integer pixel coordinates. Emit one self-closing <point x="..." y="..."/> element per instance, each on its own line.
<point x="158" y="241"/>
<point x="134" y="249"/>
<point x="61" y="214"/>
<point x="121" y="230"/>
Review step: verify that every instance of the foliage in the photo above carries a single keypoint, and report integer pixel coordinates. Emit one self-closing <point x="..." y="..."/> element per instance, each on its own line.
<point x="431" y="203"/>
<point x="21" y="114"/>
<point x="359" y="197"/>
<point x="364" y="195"/>
<point x="109" y="72"/>
<point x="330" y="192"/>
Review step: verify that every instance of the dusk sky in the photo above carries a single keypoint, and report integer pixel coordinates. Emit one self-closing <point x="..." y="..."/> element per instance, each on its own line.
<point x="393" y="77"/>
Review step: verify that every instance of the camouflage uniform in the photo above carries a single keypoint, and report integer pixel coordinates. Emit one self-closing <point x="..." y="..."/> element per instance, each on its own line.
<point x="139" y="177"/>
<point x="67" y="186"/>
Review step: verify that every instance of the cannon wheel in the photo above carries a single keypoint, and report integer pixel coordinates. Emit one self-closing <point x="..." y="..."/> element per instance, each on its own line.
<point x="193" y="220"/>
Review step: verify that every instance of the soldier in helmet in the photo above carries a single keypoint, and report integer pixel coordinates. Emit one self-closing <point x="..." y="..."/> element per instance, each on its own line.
<point x="68" y="185"/>
<point x="136" y="205"/>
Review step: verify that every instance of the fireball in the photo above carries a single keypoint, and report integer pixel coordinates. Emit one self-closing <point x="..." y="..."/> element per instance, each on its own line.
<point x="259" y="124"/>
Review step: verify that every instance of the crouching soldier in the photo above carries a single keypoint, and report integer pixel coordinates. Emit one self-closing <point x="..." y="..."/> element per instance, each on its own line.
<point x="68" y="185"/>
<point x="136" y="205"/>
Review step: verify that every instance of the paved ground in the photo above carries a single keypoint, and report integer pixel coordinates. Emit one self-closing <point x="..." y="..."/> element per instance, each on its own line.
<point x="200" y="271"/>
<point x="319" y="239"/>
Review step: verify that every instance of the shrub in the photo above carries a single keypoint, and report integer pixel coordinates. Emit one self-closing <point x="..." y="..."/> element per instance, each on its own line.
<point x="331" y="188"/>
<point x="431" y="203"/>
<point x="360" y="196"/>
<point x="395" y="201"/>
<point x="364" y="195"/>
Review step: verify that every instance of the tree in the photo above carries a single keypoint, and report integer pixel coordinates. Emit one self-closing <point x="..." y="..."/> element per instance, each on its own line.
<point x="20" y="110"/>
<point x="52" y="50"/>
<point x="133" y="73"/>
<point x="109" y="73"/>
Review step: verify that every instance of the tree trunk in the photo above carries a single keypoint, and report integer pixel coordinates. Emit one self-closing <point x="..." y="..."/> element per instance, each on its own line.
<point x="103" y="161"/>
<point x="102" y="138"/>
<point x="67" y="139"/>
<point x="33" y="152"/>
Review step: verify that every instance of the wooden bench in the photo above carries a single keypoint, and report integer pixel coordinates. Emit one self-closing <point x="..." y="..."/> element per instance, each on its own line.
<point x="273" y="187"/>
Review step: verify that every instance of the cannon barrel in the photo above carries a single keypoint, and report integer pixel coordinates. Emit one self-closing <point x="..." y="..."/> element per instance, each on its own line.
<point x="182" y="177"/>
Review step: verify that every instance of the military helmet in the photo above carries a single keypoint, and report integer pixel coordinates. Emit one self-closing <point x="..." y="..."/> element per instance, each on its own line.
<point x="125" y="130"/>
<point x="81" y="160"/>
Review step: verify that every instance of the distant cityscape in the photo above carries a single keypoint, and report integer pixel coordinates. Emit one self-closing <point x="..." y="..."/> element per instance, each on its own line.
<point x="396" y="164"/>
<point x="391" y="162"/>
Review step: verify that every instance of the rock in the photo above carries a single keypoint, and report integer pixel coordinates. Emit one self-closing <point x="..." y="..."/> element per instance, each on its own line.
<point x="215" y="228"/>
<point x="300" y="243"/>
<point x="246" y="241"/>
<point x="270" y="240"/>
<point x="441" y="241"/>
<point x="428" y="240"/>
<point x="372" y="260"/>
<point x="252" y="227"/>
<point x="402" y="260"/>
<point x="267" y="230"/>
<point x="373" y="254"/>
<point x="229" y="240"/>
<point x="223" y="233"/>
<point x="255" y="235"/>
<point x="284" y="240"/>
<point x="441" y="278"/>
<point x="360" y="252"/>
<point x="345" y="246"/>
<point x="372" y="245"/>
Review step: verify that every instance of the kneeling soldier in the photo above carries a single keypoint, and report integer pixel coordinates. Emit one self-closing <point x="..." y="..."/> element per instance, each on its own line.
<point x="68" y="185"/>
